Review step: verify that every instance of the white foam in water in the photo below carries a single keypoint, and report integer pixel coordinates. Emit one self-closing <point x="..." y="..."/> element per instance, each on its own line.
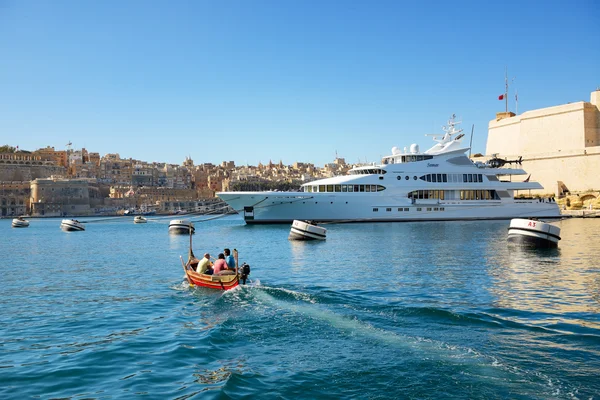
<point x="427" y="348"/>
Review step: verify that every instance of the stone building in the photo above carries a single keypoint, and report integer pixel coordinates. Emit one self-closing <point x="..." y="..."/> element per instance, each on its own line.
<point x="14" y="198"/>
<point x="58" y="197"/>
<point x="560" y="145"/>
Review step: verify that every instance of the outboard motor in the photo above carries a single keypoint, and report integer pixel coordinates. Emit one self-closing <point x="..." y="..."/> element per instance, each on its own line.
<point x="244" y="272"/>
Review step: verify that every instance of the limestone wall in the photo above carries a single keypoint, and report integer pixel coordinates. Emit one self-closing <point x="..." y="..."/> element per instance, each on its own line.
<point x="560" y="143"/>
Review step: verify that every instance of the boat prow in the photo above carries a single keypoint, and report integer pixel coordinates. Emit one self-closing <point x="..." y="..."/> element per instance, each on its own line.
<point x="533" y="233"/>
<point x="139" y="220"/>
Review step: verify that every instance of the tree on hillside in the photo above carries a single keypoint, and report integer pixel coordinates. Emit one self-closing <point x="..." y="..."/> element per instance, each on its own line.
<point x="7" y="149"/>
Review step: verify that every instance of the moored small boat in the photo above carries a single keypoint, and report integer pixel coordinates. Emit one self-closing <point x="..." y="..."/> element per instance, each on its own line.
<point x="306" y="230"/>
<point x="139" y="219"/>
<point x="71" y="225"/>
<point x="20" y="222"/>
<point x="181" y="226"/>
<point x="533" y="232"/>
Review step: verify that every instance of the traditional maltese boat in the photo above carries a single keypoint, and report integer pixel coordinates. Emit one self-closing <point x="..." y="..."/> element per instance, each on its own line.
<point x="225" y="280"/>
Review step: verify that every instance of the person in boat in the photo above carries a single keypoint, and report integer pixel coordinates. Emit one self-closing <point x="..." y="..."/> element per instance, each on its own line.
<point x="229" y="260"/>
<point x="205" y="266"/>
<point x="220" y="265"/>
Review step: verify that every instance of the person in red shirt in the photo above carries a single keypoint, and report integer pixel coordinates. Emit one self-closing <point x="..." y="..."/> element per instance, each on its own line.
<point x="220" y="265"/>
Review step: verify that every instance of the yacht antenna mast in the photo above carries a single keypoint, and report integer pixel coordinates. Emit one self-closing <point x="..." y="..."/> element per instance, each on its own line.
<point x="471" y="142"/>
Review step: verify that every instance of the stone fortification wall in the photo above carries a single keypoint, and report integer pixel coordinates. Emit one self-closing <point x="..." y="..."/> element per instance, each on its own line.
<point x="19" y="172"/>
<point x="560" y="145"/>
<point x="62" y="197"/>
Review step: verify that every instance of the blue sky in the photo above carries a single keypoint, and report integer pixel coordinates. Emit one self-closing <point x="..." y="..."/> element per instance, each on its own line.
<point x="286" y="80"/>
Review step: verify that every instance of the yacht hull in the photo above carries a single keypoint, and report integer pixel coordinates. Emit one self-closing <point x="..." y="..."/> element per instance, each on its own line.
<point x="285" y="207"/>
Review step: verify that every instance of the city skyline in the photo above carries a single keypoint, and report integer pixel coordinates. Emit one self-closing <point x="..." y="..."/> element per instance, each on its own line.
<point x="259" y="81"/>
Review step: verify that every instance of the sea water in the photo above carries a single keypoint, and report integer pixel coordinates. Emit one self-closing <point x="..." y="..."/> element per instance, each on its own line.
<point x="376" y="311"/>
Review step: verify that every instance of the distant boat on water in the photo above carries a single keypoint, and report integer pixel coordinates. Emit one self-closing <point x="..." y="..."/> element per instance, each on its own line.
<point x="20" y="222"/>
<point x="71" y="225"/>
<point x="181" y="226"/>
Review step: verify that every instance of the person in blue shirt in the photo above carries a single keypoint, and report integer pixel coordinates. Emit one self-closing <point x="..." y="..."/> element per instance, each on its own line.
<point x="229" y="259"/>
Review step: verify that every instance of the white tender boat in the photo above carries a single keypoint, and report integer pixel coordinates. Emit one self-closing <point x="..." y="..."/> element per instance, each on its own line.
<point x="533" y="232"/>
<point x="138" y="219"/>
<point x="439" y="184"/>
<point x="181" y="226"/>
<point x="71" y="225"/>
<point x="306" y="230"/>
<point x="20" y="222"/>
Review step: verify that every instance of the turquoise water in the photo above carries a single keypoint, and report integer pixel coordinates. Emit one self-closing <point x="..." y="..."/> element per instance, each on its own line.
<point x="398" y="310"/>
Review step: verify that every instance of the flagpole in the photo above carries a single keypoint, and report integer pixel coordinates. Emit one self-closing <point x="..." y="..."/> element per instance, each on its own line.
<point x="506" y="87"/>
<point x="516" y="102"/>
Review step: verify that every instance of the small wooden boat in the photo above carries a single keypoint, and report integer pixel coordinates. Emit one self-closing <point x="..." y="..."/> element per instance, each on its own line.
<point x="533" y="232"/>
<point x="223" y="281"/>
<point x="181" y="226"/>
<point x="138" y="219"/>
<point x="20" y="222"/>
<point x="306" y="230"/>
<point x="71" y="225"/>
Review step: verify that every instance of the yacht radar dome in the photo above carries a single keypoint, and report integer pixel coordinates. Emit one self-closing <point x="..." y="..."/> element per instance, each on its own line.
<point x="414" y="148"/>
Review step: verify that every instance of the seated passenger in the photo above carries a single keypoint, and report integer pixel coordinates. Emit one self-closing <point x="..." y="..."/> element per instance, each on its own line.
<point x="229" y="260"/>
<point x="205" y="266"/>
<point x="220" y="264"/>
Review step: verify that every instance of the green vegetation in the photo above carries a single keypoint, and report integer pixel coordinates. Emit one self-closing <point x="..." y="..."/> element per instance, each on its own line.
<point x="7" y="149"/>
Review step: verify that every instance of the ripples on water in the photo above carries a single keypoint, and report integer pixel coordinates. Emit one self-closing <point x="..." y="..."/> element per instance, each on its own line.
<point x="407" y="310"/>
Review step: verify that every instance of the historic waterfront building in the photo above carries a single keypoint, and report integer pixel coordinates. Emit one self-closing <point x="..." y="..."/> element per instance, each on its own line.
<point x="560" y="145"/>
<point x="14" y="198"/>
<point x="57" y="197"/>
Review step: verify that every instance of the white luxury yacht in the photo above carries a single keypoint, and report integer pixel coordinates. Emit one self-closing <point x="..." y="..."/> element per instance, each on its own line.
<point x="439" y="184"/>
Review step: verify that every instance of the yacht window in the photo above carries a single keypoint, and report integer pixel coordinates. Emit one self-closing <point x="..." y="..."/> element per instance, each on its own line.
<point x="330" y="188"/>
<point x="356" y="188"/>
<point x="415" y="177"/>
<point x="338" y="188"/>
<point x="433" y="178"/>
<point x="307" y="188"/>
<point x="439" y="176"/>
<point x="375" y="209"/>
<point x="380" y="188"/>
<point x="480" y="177"/>
<point x="388" y="209"/>
<point x="423" y="178"/>
<point x="367" y="188"/>
<point x="407" y="177"/>
<point x="321" y="188"/>
<point x="418" y="208"/>
<point x="444" y="178"/>
<point x="398" y="177"/>
<point x="350" y="188"/>
<point x="361" y="188"/>
<point x="344" y="188"/>
<point x="406" y="209"/>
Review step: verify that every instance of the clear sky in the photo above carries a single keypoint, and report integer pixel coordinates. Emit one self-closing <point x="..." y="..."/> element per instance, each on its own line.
<point x="290" y="80"/>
